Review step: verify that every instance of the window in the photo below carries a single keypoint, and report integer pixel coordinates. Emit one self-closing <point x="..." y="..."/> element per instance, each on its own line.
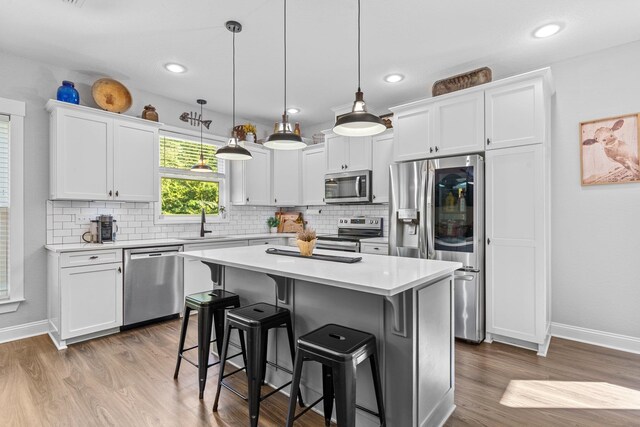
<point x="11" y="204"/>
<point x="183" y="194"/>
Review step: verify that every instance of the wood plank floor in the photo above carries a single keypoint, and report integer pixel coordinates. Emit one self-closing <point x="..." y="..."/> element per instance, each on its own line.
<point x="126" y="380"/>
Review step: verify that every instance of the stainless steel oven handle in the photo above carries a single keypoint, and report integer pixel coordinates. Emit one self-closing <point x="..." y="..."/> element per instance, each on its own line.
<point x="358" y="186"/>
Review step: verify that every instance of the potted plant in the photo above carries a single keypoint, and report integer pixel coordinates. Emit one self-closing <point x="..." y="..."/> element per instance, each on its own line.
<point x="273" y="224"/>
<point x="306" y="241"/>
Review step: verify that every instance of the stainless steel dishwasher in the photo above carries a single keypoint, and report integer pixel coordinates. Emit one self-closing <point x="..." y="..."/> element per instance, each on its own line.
<point x="153" y="284"/>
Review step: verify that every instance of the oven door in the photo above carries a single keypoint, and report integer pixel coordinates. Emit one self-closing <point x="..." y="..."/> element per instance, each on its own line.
<point x="348" y="187"/>
<point x="334" y="245"/>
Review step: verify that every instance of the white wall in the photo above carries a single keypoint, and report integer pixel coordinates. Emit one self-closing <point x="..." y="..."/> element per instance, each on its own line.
<point x="595" y="230"/>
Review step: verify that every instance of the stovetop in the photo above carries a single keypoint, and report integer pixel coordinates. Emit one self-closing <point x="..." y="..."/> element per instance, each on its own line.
<point x="355" y="229"/>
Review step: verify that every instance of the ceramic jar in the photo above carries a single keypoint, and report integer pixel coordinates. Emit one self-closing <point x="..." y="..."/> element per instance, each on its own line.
<point x="149" y="113"/>
<point x="68" y="93"/>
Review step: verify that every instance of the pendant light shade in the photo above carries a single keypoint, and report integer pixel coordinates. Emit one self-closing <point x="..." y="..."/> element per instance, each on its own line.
<point x="359" y="122"/>
<point x="283" y="137"/>
<point x="201" y="166"/>
<point x="233" y="150"/>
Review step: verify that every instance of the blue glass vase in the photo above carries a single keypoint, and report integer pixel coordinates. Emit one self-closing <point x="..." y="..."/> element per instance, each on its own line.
<point x="68" y="93"/>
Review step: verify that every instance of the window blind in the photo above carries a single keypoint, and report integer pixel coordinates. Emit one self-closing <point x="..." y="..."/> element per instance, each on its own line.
<point x="4" y="206"/>
<point x="182" y="153"/>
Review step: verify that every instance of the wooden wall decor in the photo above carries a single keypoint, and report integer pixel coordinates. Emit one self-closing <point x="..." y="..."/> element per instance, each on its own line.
<point x="462" y="81"/>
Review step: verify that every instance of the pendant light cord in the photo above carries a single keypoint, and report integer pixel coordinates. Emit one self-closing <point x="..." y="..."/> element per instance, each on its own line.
<point x="234" y="83"/>
<point x="201" y="152"/>
<point x="358" y="45"/>
<point x="285" y="57"/>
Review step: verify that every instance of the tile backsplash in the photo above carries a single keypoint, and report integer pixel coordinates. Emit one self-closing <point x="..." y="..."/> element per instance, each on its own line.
<point x="68" y="220"/>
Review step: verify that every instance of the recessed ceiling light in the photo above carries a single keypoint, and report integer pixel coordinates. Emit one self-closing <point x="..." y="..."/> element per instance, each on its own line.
<point x="547" y="31"/>
<point x="393" y="78"/>
<point x="175" y="68"/>
<point x="293" y="110"/>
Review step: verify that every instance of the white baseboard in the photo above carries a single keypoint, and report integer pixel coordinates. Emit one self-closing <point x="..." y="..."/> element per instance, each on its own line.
<point x="26" y="330"/>
<point x="600" y="338"/>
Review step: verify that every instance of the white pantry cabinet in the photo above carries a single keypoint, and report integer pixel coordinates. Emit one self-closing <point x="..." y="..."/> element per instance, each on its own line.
<point x="459" y="125"/>
<point x="251" y="179"/>
<point x="382" y="157"/>
<point x="84" y="295"/>
<point x="97" y="155"/>
<point x="515" y="114"/>
<point x="197" y="276"/>
<point x="313" y="171"/>
<point x="286" y="177"/>
<point x="344" y="154"/>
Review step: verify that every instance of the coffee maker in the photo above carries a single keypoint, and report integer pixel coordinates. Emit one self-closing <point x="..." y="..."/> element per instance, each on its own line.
<point x="102" y="229"/>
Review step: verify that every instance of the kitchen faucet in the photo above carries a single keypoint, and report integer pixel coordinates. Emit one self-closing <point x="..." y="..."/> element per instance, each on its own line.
<point x="202" y="221"/>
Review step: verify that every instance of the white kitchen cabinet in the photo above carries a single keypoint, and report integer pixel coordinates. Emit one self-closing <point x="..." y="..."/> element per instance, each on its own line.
<point x="97" y="155"/>
<point x="345" y="154"/>
<point x="313" y="171"/>
<point x="251" y="179"/>
<point x="459" y="125"/>
<point x="374" y="248"/>
<point x="382" y="157"/>
<point x="274" y="241"/>
<point x="84" y="295"/>
<point x="517" y="246"/>
<point x="515" y="114"/>
<point x="413" y="131"/>
<point x="197" y="276"/>
<point x="286" y="177"/>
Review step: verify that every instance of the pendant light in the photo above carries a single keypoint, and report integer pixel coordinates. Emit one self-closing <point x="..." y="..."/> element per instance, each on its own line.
<point x="359" y="122"/>
<point x="201" y="166"/>
<point x="233" y="150"/>
<point x="283" y="137"/>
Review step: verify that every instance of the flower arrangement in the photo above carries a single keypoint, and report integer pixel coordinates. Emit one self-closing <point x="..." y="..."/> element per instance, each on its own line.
<point x="306" y="241"/>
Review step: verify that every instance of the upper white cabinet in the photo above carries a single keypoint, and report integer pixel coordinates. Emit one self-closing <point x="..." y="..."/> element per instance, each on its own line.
<point x="251" y="179"/>
<point x="516" y="244"/>
<point x="459" y="125"/>
<point x="286" y="177"/>
<point x="515" y="114"/>
<point x="345" y="154"/>
<point x="97" y="155"/>
<point x="313" y="171"/>
<point x="413" y="130"/>
<point x="382" y="155"/>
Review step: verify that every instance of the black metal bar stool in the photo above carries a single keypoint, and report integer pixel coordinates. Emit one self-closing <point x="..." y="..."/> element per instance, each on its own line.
<point x="256" y="320"/>
<point x="340" y="350"/>
<point x="211" y="307"/>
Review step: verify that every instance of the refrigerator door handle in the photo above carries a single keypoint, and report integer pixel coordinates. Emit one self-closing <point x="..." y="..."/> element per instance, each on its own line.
<point x="427" y="180"/>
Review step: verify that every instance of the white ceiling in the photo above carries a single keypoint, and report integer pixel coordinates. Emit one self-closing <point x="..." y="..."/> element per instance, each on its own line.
<point x="130" y="40"/>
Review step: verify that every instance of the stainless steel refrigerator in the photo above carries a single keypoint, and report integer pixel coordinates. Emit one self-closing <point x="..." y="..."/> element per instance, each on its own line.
<point x="436" y="211"/>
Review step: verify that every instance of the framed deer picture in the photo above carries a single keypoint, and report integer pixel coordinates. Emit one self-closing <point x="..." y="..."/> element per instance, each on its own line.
<point x="609" y="150"/>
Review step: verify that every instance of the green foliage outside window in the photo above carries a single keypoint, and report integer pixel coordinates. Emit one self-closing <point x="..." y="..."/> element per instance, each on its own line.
<point x="184" y="196"/>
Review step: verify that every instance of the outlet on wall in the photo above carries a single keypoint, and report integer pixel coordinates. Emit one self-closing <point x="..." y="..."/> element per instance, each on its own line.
<point x="83" y="219"/>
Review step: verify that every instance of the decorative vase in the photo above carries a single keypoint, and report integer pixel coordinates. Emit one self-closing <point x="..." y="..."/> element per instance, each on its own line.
<point x="149" y="113"/>
<point x="273" y="229"/>
<point x="306" y="248"/>
<point x="251" y="137"/>
<point x="68" y="93"/>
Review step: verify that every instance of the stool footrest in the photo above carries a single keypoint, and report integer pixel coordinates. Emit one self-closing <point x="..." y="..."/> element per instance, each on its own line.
<point x="367" y="410"/>
<point x="233" y="390"/>
<point x="308" y="408"/>
<point x="275" y="391"/>
<point x="282" y="368"/>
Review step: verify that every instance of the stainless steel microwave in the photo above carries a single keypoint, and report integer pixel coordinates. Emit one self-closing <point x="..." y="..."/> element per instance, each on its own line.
<point x="348" y="187"/>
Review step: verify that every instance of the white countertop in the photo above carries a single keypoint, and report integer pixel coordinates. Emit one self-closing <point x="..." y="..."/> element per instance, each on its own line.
<point x="376" y="240"/>
<point x="123" y="244"/>
<point x="375" y="274"/>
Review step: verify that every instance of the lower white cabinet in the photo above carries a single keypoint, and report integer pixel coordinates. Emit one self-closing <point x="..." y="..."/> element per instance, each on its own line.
<point x="197" y="276"/>
<point x="517" y="292"/>
<point x="374" y="248"/>
<point x="84" y="299"/>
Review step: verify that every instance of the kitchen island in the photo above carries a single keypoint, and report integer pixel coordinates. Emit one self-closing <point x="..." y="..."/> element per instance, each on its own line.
<point x="406" y="303"/>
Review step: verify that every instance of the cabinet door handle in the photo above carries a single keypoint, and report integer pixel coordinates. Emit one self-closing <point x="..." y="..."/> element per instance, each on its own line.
<point x="247" y="199"/>
<point x="437" y="149"/>
<point x="374" y="196"/>
<point x="275" y="200"/>
<point x="117" y="193"/>
<point x="346" y="166"/>
<point x="488" y="241"/>
<point x="119" y="269"/>
<point x="376" y="249"/>
<point x="323" y="199"/>
<point x="93" y="257"/>
<point x="110" y="193"/>
<point x="431" y="149"/>
<point x="488" y="141"/>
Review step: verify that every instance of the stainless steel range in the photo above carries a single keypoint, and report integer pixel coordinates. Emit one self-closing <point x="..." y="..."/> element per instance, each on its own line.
<point x="350" y="231"/>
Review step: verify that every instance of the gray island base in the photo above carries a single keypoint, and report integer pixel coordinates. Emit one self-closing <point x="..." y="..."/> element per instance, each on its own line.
<point x="406" y="303"/>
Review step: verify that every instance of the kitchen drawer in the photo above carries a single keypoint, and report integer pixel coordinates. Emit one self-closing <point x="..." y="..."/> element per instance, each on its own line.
<point x="373" y="248"/>
<point x="270" y="241"/>
<point x="75" y="259"/>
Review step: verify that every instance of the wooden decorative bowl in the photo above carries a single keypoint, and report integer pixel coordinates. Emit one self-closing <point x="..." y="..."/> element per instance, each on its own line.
<point x="111" y="95"/>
